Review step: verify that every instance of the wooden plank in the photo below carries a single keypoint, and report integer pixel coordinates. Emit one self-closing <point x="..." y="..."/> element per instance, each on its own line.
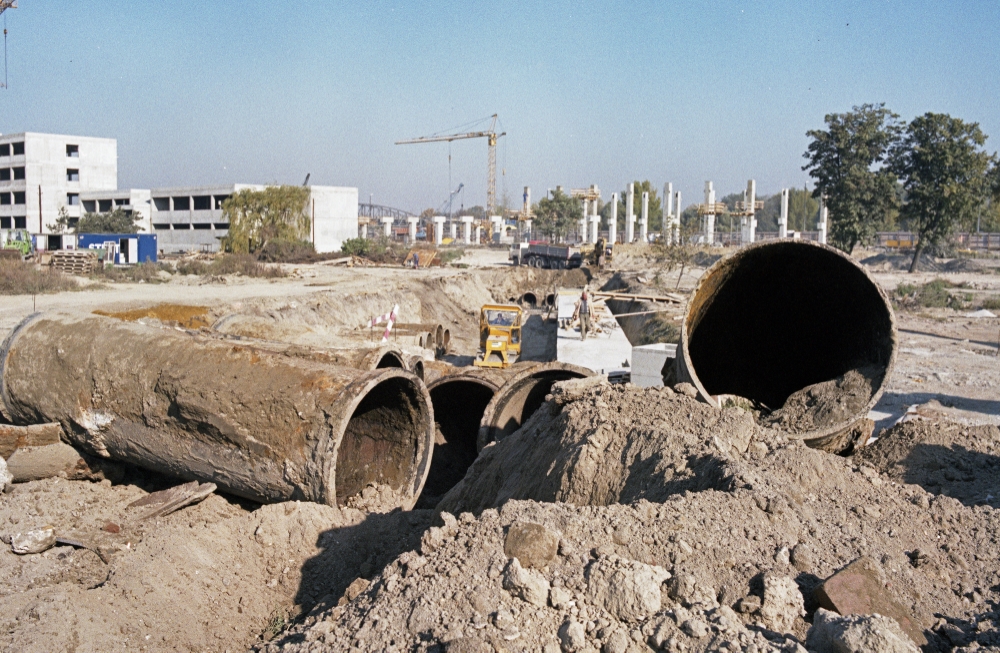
<point x="677" y="299"/>
<point x="36" y="435"/>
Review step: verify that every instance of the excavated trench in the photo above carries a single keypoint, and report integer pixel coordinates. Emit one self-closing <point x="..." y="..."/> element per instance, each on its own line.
<point x="778" y="318"/>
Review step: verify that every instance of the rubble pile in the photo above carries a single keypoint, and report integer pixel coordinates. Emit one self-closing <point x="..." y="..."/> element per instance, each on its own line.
<point x="728" y="558"/>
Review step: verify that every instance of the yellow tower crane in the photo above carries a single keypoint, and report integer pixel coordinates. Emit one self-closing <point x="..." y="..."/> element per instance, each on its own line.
<point x="492" y="136"/>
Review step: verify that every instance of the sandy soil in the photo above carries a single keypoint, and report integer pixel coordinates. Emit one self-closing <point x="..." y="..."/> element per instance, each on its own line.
<point x="227" y="575"/>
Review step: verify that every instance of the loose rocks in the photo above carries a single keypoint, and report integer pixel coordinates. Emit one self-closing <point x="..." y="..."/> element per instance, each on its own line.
<point x="525" y="584"/>
<point x="783" y="603"/>
<point x="5" y="476"/>
<point x="832" y="633"/>
<point x="532" y="544"/>
<point x="627" y="589"/>
<point x="35" y="541"/>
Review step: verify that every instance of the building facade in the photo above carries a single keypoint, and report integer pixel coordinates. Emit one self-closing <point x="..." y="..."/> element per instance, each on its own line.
<point x="41" y="173"/>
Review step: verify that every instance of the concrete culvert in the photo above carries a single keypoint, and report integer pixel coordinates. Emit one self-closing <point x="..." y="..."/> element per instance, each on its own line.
<point x="529" y="299"/>
<point x="259" y="424"/>
<point x="390" y="359"/>
<point x="522" y="394"/>
<point x="550" y="299"/>
<point x="439" y="336"/>
<point x="775" y="319"/>
<point x="459" y="401"/>
<point x="446" y="340"/>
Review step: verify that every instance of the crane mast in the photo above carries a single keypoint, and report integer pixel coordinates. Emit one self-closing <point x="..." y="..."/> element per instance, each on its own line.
<point x="492" y="136"/>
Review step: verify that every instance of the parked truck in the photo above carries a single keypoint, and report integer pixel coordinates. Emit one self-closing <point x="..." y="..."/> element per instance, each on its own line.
<point x="543" y="255"/>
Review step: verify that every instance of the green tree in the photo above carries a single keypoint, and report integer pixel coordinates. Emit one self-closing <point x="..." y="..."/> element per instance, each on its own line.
<point x="257" y="217"/>
<point x="803" y="210"/>
<point x="847" y="162"/>
<point x="944" y="172"/>
<point x="61" y="225"/>
<point x="118" y="221"/>
<point x="556" y="216"/>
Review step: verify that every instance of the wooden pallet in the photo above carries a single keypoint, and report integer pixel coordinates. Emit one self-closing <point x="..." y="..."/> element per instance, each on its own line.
<point x="74" y="261"/>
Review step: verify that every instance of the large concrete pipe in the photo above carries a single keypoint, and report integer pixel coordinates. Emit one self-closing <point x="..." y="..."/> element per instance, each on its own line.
<point x="778" y="317"/>
<point x="259" y="424"/>
<point x="521" y="395"/>
<point x="459" y="396"/>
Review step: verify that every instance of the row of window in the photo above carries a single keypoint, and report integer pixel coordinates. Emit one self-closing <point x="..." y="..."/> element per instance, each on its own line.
<point x="15" y="222"/>
<point x="167" y="226"/>
<point x="185" y="203"/>
<point x="6" y="174"/>
<point x="102" y="206"/>
<point x="16" y="197"/>
<point x="17" y="148"/>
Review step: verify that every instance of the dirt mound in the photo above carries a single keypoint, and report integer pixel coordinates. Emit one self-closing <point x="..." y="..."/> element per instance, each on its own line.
<point x="608" y="444"/>
<point x="889" y="262"/>
<point x="947" y="459"/>
<point x="740" y="568"/>
<point x="512" y="284"/>
<point x="213" y="576"/>
<point x="828" y="403"/>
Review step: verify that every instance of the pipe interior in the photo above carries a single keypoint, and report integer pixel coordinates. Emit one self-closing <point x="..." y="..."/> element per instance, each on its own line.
<point x="779" y="318"/>
<point x="550" y="299"/>
<point x="458" y="409"/>
<point x="382" y="439"/>
<point x="529" y="299"/>
<point x="390" y="359"/>
<point x="418" y="369"/>
<point x="521" y="402"/>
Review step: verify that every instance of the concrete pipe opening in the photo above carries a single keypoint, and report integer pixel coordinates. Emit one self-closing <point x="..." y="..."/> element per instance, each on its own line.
<point x="446" y="339"/>
<point x="550" y="299"/>
<point x="529" y="299"/>
<point x="439" y="336"/>
<point x="779" y="317"/>
<point x="380" y="445"/>
<point x="522" y="395"/>
<point x="390" y="359"/>
<point x="459" y="402"/>
<point x="417" y="367"/>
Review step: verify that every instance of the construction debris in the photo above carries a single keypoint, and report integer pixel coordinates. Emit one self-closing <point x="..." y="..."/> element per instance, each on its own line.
<point x="60" y="459"/>
<point x="35" y="541"/>
<point x="35" y="435"/>
<point x="165" y="502"/>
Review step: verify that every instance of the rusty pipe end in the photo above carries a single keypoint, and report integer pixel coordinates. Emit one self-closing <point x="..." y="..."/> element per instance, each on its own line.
<point x="520" y="396"/>
<point x="778" y="316"/>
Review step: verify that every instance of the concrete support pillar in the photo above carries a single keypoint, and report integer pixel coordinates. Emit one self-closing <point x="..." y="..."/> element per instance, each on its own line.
<point x="708" y="227"/>
<point x="479" y="234"/>
<point x="667" y="221"/>
<point x="630" y="214"/>
<point x="644" y="220"/>
<point x="467" y="228"/>
<point x="821" y="227"/>
<point x="412" y="228"/>
<point x="677" y="218"/>
<point x="497" y="223"/>
<point x="613" y="225"/>
<point x="595" y="225"/>
<point x="438" y="229"/>
<point x="453" y="228"/>
<point x="783" y="218"/>
<point x="527" y="229"/>
<point x="583" y="221"/>
<point x="749" y="222"/>
<point x="387" y="227"/>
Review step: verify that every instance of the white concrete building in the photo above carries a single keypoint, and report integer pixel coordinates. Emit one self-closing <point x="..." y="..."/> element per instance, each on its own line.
<point x="41" y="173"/>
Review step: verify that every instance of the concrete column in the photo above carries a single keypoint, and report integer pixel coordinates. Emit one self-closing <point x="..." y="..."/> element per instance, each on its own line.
<point x="527" y="230"/>
<point x="479" y="234"/>
<point x="467" y="228"/>
<point x="644" y="221"/>
<point x="667" y="221"/>
<point x="783" y="218"/>
<point x="708" y="228"/>
<point x="438" y="229"/>
<point x="412" y="230"/>
<point x="387" y="227"/>
<point x="453" y="227"/>
<point x="677" y="218"/>
<point x="821" y="227"/>
<point x="613" y="225"/>
<point x="497" y="222"/>
<point x="583" y="221"/>
<point x="750" y="221"/>
<point x="630" y="214"/>
<point x="595" y="225"/>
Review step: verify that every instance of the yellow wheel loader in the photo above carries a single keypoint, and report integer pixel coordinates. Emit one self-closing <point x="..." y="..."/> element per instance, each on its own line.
<point x="499" y="335"/>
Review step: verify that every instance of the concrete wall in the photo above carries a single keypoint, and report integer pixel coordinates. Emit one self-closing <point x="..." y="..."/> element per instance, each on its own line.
<point x="132" y="200"/>
<point x="336" y="216"/>
<point x="47" y="163"/>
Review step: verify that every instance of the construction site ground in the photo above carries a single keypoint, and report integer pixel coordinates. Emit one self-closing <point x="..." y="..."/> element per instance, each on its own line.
<point x="728" y="525"/>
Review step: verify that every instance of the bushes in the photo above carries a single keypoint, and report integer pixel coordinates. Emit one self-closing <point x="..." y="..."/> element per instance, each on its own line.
<point x="147" y="272"/>
<point x="933" y="294"/>
<point x="20" y="278"/>
<point x="240" y="264"/>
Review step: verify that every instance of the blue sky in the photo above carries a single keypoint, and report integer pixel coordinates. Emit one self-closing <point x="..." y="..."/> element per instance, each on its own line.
<point x="588" y="92"/>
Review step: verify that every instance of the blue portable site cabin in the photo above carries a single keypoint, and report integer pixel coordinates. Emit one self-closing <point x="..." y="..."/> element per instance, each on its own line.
<point x="121" y="249"/>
